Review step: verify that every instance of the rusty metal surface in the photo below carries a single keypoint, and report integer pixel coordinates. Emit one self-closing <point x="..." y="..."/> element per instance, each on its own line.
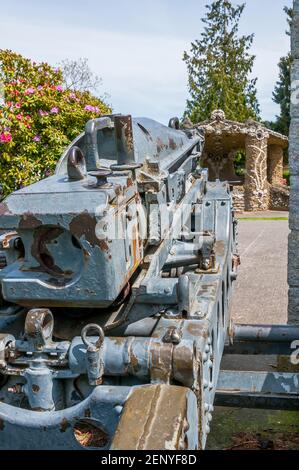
<point x="153" y="420"/>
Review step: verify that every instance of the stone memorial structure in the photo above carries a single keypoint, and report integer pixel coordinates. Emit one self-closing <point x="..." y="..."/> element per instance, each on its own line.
<point x="261" y="186"/>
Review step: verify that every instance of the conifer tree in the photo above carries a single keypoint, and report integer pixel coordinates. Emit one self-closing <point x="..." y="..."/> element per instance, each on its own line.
<point x="219" y="67"/>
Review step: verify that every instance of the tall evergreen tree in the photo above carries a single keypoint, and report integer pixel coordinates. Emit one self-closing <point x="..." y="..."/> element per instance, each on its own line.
<point x="219" y="67"/>
<point x="282" y="90"/>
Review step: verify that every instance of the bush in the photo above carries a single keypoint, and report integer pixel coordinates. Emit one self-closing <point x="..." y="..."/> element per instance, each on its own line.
<point x="286" y="176"/>
<point x="38" y="119"/>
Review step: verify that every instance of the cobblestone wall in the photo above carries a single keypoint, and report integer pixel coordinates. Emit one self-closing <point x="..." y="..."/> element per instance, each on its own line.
<point x="238" y="198"/>
<point x="275" y="164"/>
<point x="279" y="198"/>
<point x="294" y="172"/>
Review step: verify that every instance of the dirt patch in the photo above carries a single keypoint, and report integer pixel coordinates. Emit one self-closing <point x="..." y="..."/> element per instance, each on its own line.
<point x="268" y="440"/>
<point x="90" y="436"/>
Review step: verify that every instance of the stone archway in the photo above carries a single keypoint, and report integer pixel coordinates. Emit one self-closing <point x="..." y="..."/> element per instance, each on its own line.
<point x="261" y="188"/>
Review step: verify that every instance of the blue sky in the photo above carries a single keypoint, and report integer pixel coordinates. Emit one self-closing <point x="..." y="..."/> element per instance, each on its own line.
<point x="136" y="46"/>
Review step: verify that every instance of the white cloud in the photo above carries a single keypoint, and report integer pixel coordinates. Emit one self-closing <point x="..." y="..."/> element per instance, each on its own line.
<point x="143" y="73"/>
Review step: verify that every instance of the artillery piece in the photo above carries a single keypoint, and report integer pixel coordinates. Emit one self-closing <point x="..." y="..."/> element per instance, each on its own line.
<point x="116" y="277"/>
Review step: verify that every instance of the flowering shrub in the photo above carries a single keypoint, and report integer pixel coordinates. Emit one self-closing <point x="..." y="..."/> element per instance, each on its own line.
<point x="38" y="119"/>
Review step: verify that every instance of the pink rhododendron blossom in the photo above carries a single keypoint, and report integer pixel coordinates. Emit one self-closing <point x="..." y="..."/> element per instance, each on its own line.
<point x="5" y="137"/>
<point x="18" y="105"/>
<point x="96" y="109"/>
<point x="43" y="113"/>
<point x="29" y="91"/>
<point x="19" y="117"/>
<point x="36" y="138"/>
<point x="89" y="107"/>
<point x="59" y="88"/>
<point x="55" y="110"/>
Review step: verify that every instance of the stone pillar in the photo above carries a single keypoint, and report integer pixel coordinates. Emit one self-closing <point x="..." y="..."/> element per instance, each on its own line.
<point x="275" y="164"/>
<point x="293" y="266"/>
<point x="256" y="181"/>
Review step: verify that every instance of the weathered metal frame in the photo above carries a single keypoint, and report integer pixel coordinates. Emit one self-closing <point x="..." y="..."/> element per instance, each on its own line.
<point x="261" y="389"/>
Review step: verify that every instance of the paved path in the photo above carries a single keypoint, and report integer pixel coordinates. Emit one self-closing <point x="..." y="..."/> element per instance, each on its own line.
<point x="261" y="291"/>
<point x="260" y="297"/>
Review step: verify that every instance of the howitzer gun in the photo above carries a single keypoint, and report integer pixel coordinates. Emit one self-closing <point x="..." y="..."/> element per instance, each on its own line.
<point x="116" y="279"/>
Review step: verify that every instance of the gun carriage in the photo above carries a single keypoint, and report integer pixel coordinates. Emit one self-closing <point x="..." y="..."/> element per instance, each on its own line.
<point x="116" y="280"/>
